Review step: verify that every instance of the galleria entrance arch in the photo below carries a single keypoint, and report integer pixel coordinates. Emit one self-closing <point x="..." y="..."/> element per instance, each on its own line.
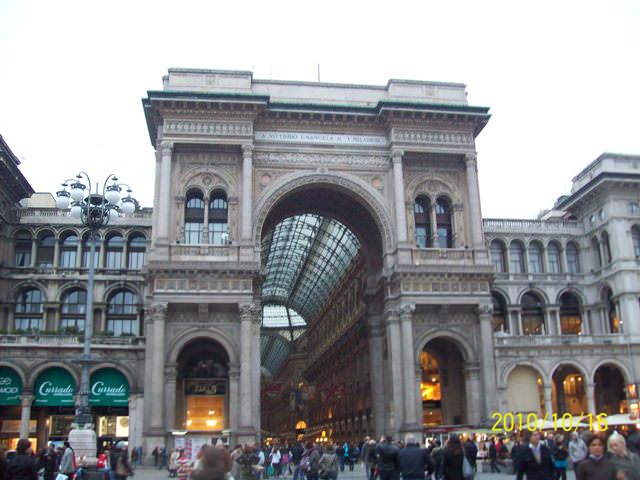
<point x="319" y="232"/>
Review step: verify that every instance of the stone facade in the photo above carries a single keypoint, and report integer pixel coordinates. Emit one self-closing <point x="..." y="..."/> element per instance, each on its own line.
<point x="397" y="165"/>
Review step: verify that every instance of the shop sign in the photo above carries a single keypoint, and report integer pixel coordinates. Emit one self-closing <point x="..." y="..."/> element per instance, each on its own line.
<point x="201" y="387"/>
<point x="10" y="387"/>
<point x="55" y="387"/>
<point x="109" y="387"/>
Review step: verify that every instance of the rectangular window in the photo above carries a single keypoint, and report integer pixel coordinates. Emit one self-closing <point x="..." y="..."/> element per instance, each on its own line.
<point x="72" y="323"/>
<point x="554" y="262"/>
<point x="535" y="262"/>
<point x="23" y="258"/>
<point x="193" y="233"/>
<point x="45" y="257"/>
<point x="68" y="259"/>
<point x="421" y="237"/>
<point x="443" y="237"/>
<point x="122" y="327"/>
<point x="85" y="259"/>
<point x="136" y="260"/>
<point x="205" y="412"/>
<point x="571" y="325"/>
<point x="218" y="234"/>
<point x="515" y="262"/>
<point x="497" y="258"/>
<point x="25" y="323"/>
<point x="113" y="260"/>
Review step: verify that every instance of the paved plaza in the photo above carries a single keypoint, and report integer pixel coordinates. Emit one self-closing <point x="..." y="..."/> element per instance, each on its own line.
<point x="149" y="473"/>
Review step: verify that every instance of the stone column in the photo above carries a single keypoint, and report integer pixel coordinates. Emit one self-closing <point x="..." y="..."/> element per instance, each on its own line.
<point x="435" y="242"/>
<point x="515" y="323"/>
<point x="398" y="195"/>
<point x="376" y="371"/>
<point x="394" y="349"/>
<point x="410" y="424"/>
<point x="457" y="211"/>
<point x="255" y="370"/>
<point x="475" y="215"/>
<point x="166" y="150"/>
<point x="548" y="403"/>
<point x="552" y="320"/>
<point x="473" y="390"/>
<point x="487" y="360"/>
<point x="34" y="252"/>
<point x="589" y="390"/>
<point x="234" y="395"/>
<point x="133" y="419"/>
<point x="170" y="375"/>
<point x="247" y="192"/>
<point x="629" y="311"/>
<point x="246" y="431"/>
<point x="158" y="312"/>
<point x="25" y="415"/>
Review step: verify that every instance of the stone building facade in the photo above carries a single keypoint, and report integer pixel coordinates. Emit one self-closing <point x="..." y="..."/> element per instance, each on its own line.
<point x="316" y="253"/>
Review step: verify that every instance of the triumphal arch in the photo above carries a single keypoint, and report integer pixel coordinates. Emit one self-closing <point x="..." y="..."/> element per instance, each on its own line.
<point x="318" y="265"/>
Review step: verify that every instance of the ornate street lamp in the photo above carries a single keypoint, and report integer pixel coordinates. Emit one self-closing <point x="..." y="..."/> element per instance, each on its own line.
<point x="94" y="210"/>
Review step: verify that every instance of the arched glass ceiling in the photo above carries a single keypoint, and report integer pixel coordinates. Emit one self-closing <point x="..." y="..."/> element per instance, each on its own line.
<point x="305" y="257"/>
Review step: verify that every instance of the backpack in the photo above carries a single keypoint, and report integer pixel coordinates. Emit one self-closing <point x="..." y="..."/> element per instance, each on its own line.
<point x="305" y="464"/>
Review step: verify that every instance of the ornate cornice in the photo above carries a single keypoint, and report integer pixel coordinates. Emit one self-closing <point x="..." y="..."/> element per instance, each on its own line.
<point x="431" y="137"/>
<point x="208" y="128"/>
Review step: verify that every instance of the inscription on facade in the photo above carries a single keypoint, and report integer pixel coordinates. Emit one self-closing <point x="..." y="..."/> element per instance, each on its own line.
<point x="322" y="138"/>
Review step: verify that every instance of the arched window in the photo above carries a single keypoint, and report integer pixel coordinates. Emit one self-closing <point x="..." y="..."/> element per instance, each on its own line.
<point x="28" y="312"/>
<point x="570" y="319"/>
<point x="122" y="314"/>
<point x="500" y="318"/>
<point x="573" y="258"/>
<point x="443" y="223"/>
<point x="635" y="238"/>
<point x="597" y="256"/>
<point x="606" y="247"/>
<point x="612" y="315"/>
<point x="532" y="315"/>
<point x="46" y="248"/>
<point x="68" y="250"/>
<point x="86" y="251"/>
<point x="535" y="257"/>
<point x="136" y="251"/>
<point x="498" y="255"/>
<point x="218" y="219"/>
<point x="553" y="257"/>
<point x="113" y="257"/>
<point x="194" y="218"/>
<point x="421" y="210"/>
<point x="72" y="310"/>
<point x="23" y="249"/>
<point x="516" y="257"/>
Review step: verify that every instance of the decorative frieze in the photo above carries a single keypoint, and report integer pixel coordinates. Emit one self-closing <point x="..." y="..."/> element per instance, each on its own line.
<point x="313" y="160"/>
<point x="433" y="137"/>
<point x="202" y="284"/>
<point x="208" y="127"/>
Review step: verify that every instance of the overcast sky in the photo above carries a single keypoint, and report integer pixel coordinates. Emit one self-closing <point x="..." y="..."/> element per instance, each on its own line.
<point x="562" y="78"/>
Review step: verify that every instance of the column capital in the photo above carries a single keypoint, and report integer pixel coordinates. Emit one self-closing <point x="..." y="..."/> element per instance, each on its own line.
<point x="166" y="147"/>
<point x="396" y="155"/>
<point x="470" y="158"/>
<point x="26" y="399"/>
<point x="170" y="373"/>
<point x="484" y="310"/>
<point x="234" y="371"/>
<point x="158" y="311"/>
<point x="406" y="311"/>
<point x="249" y="311"/>
<point x="247" y="150"/>
<point x="392" y="316"/>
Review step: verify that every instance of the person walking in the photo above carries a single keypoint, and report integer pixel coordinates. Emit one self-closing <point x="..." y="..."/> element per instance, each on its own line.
<point x="173" y="463"/>
<point x="535" y="461"/>
<point x="452" y="459"/>
<point x="68" y="461"/>
<point x="119" y="461"/>
<point x="577" y="450"/>
<point x="626" y="462"/>
<point x="364" y="457"/>
<point x="23" y="465"/>
<point x="414" y="461"/>
<point x="215" y="464"/>
<point x="493" y="456"/>
<point x="49" y="462"/>
<point x="596" y="466"/>
<point x="388" y="465"/>
<point x="296" y="456"/>
<point x="328" y="464"/>
<point x="471" y="452"/>
<point x="560" y="457"/>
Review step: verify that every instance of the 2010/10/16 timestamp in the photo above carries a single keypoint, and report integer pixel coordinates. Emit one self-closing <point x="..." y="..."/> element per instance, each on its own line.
<point x="509" y="422"/>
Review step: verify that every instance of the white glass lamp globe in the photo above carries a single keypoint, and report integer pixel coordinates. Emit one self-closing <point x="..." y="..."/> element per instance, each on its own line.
<point x="128" y="205"/>
<point x="63" y="199"/>
<point x="113" y="214"/>
<point x="113" y="194"/>
<point x="76" y="210"/>
<point x="77" y="192"/>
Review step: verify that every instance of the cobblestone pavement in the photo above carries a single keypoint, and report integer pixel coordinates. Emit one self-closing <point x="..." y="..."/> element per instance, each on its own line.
<point x="150" y="473"/>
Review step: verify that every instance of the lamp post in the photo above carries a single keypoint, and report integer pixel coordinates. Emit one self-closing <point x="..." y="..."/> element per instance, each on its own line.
<point x="94" y="210"/>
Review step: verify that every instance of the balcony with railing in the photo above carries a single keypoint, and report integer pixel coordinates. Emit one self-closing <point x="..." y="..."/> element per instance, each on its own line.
<point x="66" y="340"/>
<point x="204" y="252"/>
<point x="442" y="256"/>
<point x="504" y="340"/>
<point x="541" y="227"/>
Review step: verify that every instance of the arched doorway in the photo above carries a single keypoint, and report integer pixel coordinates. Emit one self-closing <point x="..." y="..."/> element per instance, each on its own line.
<point x="321" y="248"/>
<point x="202" y="390"/>
<point x="525" y="392"/>
<point x="610" y="396"/>
<point x="443" y="385"/>
<point x="569" y="391"/>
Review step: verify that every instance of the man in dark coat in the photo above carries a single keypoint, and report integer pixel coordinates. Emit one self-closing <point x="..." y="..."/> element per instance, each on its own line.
<point x="413" y="460"/>
<point x="471" y="452"/>
<point x="388" y="464"/>
<point x="535" y="462"/>
<point x="493" y="456"/>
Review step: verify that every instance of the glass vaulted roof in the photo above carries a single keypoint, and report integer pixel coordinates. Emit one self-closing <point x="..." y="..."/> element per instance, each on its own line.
<point x="305" y="257"/>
